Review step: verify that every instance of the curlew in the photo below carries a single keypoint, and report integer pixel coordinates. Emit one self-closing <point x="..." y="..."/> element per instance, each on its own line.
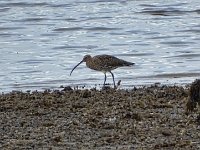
<point x="103" y="63"/>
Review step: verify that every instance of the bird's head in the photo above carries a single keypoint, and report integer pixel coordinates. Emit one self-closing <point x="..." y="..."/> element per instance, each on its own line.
<point x="85" y="59"/>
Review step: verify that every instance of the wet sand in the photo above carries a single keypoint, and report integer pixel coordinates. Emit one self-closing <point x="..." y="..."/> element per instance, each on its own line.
<point x="147" y="117"/>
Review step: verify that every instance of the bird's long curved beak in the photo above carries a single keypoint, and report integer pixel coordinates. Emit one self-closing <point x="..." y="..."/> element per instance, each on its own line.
<point x="75" y="67"/>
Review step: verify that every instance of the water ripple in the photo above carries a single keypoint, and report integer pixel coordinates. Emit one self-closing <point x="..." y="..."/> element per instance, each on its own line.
<point x="29" y="61"/>
<point x="75" y="47"/>
<point x="11" y="28"/>
<point x="164" y="12"/>
<point x="23" y="4"/>
<point x="68" y="29"/>
<point x="42" y="41"/>
<point x="88" y="29"/>
<point x="4" y="9"/>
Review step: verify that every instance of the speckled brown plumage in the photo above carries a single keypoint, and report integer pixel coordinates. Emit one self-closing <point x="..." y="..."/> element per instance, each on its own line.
<point x="104" y="63"/>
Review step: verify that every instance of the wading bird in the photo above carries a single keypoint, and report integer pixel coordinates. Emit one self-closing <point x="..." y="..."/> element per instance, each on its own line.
<point x="103" y="63"/>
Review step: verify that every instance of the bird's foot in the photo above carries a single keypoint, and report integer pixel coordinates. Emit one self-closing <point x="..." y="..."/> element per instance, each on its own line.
<point x="118" y="84"/>
<point x="106" y="87"/>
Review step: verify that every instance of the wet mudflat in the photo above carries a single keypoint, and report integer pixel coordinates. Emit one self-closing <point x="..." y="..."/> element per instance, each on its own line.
<point x="146" y="117"/>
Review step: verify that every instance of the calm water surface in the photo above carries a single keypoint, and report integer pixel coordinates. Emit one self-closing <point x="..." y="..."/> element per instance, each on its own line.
<point x="42" y="40"/>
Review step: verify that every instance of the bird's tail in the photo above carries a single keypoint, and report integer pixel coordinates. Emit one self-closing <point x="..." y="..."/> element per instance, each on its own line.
<point x="129" y="64"/>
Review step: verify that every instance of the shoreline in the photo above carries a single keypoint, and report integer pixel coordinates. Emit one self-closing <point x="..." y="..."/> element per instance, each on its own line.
<point x="31" y="89"/>
<point x="146" y="117"/>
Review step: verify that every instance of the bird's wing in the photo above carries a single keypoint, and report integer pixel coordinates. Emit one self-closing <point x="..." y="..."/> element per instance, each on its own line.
<point x="108" y="61"/>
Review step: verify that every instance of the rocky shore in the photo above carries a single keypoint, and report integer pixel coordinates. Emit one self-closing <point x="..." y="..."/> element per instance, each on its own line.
<point x="152" y="117"/>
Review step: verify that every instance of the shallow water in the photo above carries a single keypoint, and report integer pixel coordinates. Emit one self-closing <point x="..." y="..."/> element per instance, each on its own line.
<point x="42" y="41"/>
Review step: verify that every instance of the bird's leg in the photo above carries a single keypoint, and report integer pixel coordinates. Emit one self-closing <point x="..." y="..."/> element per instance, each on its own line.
<point x="104" y="80"/>
<point x="113" y="79"/>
